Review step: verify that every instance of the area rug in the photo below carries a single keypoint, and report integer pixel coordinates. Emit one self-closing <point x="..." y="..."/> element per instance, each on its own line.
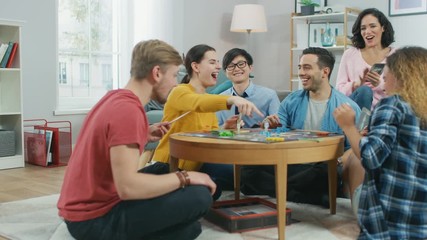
<point x="37" y="219"/>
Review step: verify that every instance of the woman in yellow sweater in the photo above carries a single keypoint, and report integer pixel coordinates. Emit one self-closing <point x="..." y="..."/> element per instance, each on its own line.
<point x="202" y="67"/>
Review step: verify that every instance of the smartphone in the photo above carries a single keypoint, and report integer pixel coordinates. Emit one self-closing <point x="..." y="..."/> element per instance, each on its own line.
<point x="378" y="68"/>
<point x="363" y="120"/>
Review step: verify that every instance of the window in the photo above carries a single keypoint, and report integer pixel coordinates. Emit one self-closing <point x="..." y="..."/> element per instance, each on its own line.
<point x="88" y="51"/>
<point x="84" y="74"/>
<point x="62" y="73"/>
<point x="107" y="78"/>
<point x="95" y="41"/>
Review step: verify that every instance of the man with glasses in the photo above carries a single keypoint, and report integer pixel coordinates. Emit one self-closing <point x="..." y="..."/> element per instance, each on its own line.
<point x="237" y="64"/>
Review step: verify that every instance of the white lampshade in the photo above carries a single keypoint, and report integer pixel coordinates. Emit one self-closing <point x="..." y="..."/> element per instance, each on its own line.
<point x="248" y="18"/>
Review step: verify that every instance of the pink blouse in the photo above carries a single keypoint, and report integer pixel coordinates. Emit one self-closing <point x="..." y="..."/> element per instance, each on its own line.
<point x="352" y="67"/>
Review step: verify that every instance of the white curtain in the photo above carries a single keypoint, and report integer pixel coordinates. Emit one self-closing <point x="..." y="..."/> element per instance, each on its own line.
<point x="158" y="19"/>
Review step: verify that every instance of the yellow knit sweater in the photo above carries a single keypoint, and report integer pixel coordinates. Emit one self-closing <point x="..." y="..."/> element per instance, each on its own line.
<point x="183" y="98"/>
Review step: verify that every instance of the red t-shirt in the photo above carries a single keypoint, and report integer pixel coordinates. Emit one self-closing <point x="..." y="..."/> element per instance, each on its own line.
<point x="88" y="190"/>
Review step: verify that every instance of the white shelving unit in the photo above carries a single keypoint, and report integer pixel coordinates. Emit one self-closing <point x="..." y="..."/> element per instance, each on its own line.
<point x="300" y="37"/>
<point x="11" y="117"/>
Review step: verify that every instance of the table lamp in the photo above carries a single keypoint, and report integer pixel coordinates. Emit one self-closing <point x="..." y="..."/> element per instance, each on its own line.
<point x="248" y="18"/>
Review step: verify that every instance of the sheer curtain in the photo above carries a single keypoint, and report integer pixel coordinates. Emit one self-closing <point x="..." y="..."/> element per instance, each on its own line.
<point x="151" y="19"/>
<point x="158" y="19"/>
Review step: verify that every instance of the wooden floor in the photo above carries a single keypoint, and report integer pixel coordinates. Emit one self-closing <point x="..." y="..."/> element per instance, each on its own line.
<point x="29" y="182"/>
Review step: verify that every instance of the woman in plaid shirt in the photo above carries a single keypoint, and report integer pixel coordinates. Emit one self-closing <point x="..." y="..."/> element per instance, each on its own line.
<point x="393" y="197"/>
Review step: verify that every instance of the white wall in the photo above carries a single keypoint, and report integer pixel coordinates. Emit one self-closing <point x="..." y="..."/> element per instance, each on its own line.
<point x="203" y="21"/>
<point x="209" y="22"/>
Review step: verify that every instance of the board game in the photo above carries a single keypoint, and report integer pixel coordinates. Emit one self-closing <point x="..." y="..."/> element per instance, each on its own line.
<point x="245" y="214"/>
<point x="263" y="136"/>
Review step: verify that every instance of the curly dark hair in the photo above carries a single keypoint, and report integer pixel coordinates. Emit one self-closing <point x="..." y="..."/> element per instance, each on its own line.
<point x="388" y="34"/>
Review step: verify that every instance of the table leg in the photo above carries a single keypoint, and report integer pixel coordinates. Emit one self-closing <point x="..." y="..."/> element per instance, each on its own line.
<point x="332" y="180"/>
<point x="173" y="164"/>
<point x="237" y="182"/>
<point x="281" y="169"/>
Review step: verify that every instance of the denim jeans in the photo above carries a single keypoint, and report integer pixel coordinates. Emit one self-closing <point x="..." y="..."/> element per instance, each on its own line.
<point x="172" y="216"/>
<point x="363" y="96"/>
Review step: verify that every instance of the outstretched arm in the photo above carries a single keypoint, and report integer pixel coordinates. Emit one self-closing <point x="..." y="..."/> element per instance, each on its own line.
<point x="245" y="107"/>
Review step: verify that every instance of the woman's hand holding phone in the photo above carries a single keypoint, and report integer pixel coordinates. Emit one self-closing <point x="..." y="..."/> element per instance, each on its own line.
<point x="373" y="78"/>
<point x="374" y="74"/>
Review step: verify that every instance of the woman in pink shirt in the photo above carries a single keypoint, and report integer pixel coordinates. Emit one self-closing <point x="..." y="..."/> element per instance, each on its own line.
<point x="372" y="36"/>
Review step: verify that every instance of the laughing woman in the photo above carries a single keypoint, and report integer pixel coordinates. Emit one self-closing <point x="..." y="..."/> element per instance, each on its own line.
<point x="190" y="96"/>
<point x="372" y="36"/>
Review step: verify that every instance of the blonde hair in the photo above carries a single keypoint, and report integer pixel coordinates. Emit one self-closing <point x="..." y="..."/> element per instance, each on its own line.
<point x="151" y="53"/>
<point x="409" y="67"/>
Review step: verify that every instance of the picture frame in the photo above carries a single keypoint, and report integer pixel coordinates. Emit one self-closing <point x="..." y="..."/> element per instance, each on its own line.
<point x="315" y="30"/>
<point x="322" y="3"/>
<point x="407" y="7"/>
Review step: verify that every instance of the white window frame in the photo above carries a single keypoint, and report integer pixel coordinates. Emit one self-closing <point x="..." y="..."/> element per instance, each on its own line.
<point x="81" y="105"/>
<point x="139" y="20"/>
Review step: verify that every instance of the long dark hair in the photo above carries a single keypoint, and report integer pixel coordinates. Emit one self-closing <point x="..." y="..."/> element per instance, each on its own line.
<point x="195" y="54"/>
<point x="388" y="34"/>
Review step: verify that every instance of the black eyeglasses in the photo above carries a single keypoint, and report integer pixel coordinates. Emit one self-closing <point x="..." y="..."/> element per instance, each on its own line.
<point x="232" y="66"/>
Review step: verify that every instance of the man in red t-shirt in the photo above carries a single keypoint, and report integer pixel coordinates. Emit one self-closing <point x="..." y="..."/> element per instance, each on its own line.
<point x="103" y="195"/>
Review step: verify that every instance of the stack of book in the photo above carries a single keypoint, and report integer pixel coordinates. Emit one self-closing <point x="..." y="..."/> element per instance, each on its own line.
<point x="7" y="54"/>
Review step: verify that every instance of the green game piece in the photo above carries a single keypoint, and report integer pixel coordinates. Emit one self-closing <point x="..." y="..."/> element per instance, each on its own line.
<point x="226" y="133"/>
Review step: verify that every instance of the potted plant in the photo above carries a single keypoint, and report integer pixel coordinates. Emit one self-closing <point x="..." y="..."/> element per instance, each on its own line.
<point x="307" y="7"/>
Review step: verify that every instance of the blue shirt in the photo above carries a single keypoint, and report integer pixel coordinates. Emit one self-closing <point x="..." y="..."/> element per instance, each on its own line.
<point x="293" y="111"/>
<point x="265" y="99"/>
<point x="393" y="201"/>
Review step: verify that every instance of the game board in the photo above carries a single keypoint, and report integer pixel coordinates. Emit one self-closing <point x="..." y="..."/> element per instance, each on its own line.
<point x="260" y="135"/>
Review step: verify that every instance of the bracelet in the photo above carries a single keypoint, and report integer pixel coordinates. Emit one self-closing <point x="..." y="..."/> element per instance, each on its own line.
<point x="186" y="177"/>
<point x="181" y="179"/>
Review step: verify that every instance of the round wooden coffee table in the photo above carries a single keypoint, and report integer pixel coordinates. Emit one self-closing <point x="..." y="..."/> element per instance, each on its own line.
<point x="279" y="154"/>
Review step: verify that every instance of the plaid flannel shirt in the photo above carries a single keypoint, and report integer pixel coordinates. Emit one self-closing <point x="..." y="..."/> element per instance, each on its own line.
<point x="393" y="201"/>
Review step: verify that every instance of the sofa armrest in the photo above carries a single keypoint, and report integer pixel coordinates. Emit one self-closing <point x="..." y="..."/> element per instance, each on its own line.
<point x="282" y="94"/>
<point x="153" y="116"/>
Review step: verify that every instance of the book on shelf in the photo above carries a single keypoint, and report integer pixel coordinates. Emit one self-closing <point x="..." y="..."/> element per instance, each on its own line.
<point x="3" y="48"/>
<point x="6" y="55"/>
<point x="12" y="55"/>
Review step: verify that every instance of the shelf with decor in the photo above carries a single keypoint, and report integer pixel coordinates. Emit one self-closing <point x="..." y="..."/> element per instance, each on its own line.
<point x="11" y="118"/>
<point x="313" y="31"/>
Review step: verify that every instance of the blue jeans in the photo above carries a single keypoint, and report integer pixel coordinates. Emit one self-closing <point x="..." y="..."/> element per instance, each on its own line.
<point x="363" y="96"/>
